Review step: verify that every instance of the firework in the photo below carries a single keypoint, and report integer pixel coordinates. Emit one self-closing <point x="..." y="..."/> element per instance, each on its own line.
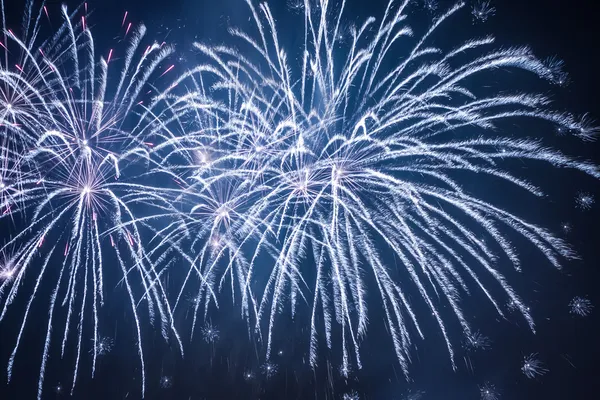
<point x="285" y="176"/>
<point x="566" y="227"/>
<point x="104" y="346"/>
<point x="351" y="396"/>
<point x="64" y="148"/>
<point x="303" y="173"/>
<point x="430" y="5"/>
<point x="533" y="367"/>
<point x="477" y="341"/>
<point x="580" y="306"/>
<point x="269" y="369"/>
<point x="482" y="10"/>
<point x="584" y="201"/>
<point x="166" y="382"/>
<point x="488" y="392"/>
<point x="210" y="333"/>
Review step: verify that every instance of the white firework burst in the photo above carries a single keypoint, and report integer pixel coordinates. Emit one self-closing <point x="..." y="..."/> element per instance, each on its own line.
<point x="580" y="306"/>
<point x="345" y="163"/>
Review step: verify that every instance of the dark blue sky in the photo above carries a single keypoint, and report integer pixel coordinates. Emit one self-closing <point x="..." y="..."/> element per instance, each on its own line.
<point x="569" y="346"/>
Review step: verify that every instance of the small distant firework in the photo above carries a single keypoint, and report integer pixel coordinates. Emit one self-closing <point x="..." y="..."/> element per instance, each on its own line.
<point x="584" y="201"/>
<point x="210" y="334"/>
<point x="430" y="5"/>
<point x="351" y="396"/>
<point x="59" y="389"/>
<point x="104" y="346"/>
<point x="488" y="392"/>
<point x="580" y="306"/>
<point x="477" y="341"/>
<point x="296" y="6"/>
<point x="248" y="375"/>
<point x="166" y="382"/>
<point x="482" y="10"/>
<point x="566" y="227"/>
<point x="269" y="369"/>
<point x="533" y="367"/>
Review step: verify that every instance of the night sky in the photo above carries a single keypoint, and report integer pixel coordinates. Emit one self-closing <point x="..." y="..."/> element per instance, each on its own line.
<point x="568" y="346"/>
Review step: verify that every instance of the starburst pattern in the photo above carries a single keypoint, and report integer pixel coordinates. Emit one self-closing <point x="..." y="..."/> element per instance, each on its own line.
<point x="533" y="367"/>
<point x="319" y="175"/>
<point x="64" y="149"/>
<point x="488" y="392"/>
<point x="281" y="176"/>
<point x="580" y="306"/>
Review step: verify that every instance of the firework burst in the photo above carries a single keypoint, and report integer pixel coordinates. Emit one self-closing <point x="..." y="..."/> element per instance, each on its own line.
<point x="64" y="148"/>
<point x="305" y="174"/>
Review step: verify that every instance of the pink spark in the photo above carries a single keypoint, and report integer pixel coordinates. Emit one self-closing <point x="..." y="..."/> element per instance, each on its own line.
<point x="130" y="238"/>
<point x="2" y="44"/>
<point x="124" y="18"/>
<point x="19" y="67"/>
<point x="168" y="69"/>
<point x="162" y="44"/>
<point x="66" y="249"/>
<point x="46" y="11"/>
<point x="128" y="28"/>
<point x="6" y="211"/>
<point x="109" y="56"/>
<point x="140" y="103"/>
<point x="112" y="241"/>
<point x="147" y="50"/>
<point x="85" y="5"/>
<point x="41" y="241"/>
<point x="149" y="144"/>
<point x="42" y="52"/>
<point x="94" y="216"/>
<point x="83" y="22"/>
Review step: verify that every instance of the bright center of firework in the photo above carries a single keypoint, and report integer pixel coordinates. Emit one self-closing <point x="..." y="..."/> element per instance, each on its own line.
<point x="223" y="214"/>
<point x="302" y="187"/>
<point x="337" y="173"/>
<point x="258" y="149"/>
<point x="9" y="106"/>
<point x="6" y="273"/>
<point x="86" y="190"/>
<point x="2" y="185"/>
